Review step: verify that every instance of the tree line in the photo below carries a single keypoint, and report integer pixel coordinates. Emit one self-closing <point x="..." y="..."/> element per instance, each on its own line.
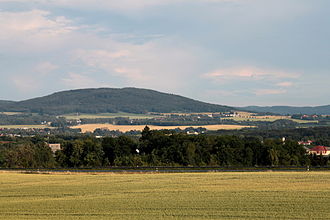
<point x="157" y="148"/>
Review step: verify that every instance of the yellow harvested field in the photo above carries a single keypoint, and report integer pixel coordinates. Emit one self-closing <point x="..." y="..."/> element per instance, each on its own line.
<point x="125" y="128"/>
<point x="11" y="113"/>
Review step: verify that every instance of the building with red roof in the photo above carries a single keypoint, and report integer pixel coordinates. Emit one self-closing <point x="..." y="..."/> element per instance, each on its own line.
<point x="320" y="150"/>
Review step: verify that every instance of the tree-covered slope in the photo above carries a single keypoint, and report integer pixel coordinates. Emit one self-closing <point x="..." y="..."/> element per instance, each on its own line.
<point x="5" y="102"/>
<point x="284" y="110"/>
<point x="101" y="100"/>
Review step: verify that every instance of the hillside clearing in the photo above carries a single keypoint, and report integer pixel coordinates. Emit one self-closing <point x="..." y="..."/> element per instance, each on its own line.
<point x="124" y="128"/>
<point x="251" y="195"/>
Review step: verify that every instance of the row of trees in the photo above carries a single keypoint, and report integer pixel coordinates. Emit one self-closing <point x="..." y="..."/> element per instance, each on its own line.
<point x="158" y="148"/>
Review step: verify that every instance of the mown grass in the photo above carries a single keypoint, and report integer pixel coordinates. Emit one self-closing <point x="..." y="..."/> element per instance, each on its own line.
<point x="250" y="195"/>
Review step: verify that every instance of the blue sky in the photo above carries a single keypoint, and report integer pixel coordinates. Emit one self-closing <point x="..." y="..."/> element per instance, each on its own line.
<point x="233" y="52"/>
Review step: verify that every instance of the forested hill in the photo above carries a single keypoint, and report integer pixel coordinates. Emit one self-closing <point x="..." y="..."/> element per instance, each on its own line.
<point x="5" y="102"/>
<point x="284" y="110"/>
<point x="131" y="100"/>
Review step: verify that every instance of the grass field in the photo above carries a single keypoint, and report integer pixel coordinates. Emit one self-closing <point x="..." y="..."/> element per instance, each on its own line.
<point x="125" y="128"/>
<point x="107" y="115"/>
<point x="249" y="195"/>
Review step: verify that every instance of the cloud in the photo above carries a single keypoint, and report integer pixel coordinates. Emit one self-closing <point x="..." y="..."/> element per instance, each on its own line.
<point x="45" y="68"/>
<point x="75" y="80"/>
<point x="248" y="73"/>
<point x="114" y="63"/>
<point x="113" y="5"/>
<point x="285" y="84"/>
<point x="262" y="92"/>
<point x="122" y="5"/>
<point x="158" y="63"/>
<point x="33" y="30"/>
<point x="25" y="83"/>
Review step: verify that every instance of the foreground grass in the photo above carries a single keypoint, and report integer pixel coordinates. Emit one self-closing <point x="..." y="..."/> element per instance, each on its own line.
<point x="251" y="195"/>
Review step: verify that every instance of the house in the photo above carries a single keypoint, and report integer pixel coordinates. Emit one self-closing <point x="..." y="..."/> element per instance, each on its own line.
<point x="55" y="147"/>
<point x="320" y="150"/>
<point x="305" y="143"/>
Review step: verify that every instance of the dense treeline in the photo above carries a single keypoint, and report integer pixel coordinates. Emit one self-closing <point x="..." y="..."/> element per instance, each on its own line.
<point x="320" y="135"/>
<point x="157" y="148"/>
<point x="32" y="119"/>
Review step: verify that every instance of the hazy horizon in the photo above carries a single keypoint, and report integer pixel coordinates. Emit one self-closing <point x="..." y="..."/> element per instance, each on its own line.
<point x="228" y="52"/>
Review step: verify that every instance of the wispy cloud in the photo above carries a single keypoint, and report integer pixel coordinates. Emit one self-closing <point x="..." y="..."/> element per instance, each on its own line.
<point x="261" y="92"/>
<point x="25" y="83"/>
<point x="122" y="5"/>
<point x="33" y="30"/>
<point x="248" y="73"/>
<point x="285" y="84"/>
<point x="45" y="68"/>
<point x="75" y="80"/>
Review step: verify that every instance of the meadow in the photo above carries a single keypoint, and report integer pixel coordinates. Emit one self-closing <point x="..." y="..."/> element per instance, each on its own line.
<point x="124" y="128"/>
<point x="226" y="195"/>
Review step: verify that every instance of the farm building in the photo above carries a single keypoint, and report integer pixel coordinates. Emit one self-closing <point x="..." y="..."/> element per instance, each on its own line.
<point x="320" y="150"/>
<point x="305" y="143"/>
<point x="55" y="147"/>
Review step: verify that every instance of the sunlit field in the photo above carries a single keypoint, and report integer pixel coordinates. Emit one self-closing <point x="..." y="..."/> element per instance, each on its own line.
<point x="227" y="195"/>
<point x="11" y="113"/>
<point x="125" y="128"/>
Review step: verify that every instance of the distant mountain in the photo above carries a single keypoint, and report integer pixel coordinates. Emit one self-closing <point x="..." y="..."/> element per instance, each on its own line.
<point x="284" y="110"/>
<point x="5" y="102"/>
<point x="131" y="100"/>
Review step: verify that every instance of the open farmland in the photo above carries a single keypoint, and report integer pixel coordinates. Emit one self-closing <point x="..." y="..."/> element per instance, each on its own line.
<point x="11" y="113"/>
<point x="228" y="195"/>
<point x="124" y="128"/>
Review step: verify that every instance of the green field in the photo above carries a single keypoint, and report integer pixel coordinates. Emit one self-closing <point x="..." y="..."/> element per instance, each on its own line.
<point x="227" y="195"/>
<point x="107" y="115"/>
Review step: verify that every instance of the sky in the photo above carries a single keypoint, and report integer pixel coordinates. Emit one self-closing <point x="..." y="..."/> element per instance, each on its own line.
<point x="230" y="52"/>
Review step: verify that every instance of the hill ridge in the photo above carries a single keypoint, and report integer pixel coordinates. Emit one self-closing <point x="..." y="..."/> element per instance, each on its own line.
<point x="101" y="100"/>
